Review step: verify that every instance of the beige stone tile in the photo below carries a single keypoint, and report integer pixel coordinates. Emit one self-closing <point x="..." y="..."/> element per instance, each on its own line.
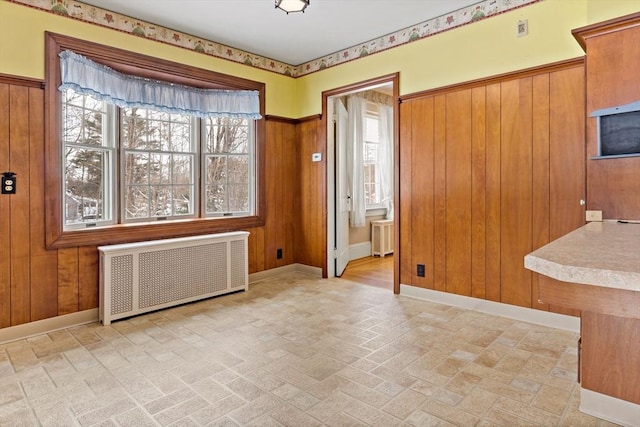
<point x="371" y="415"/>
<point x="499" y="418"/>
<point x="393" y="375"/>
<point x="478" y="402"/>
<point x="135" y="417"/>
<point x="365" y="394"/>
<point x="526" y="412"/>
<point x="330" y="406"/>
<point x="245" y="389"/>
<point x="506" y="390"/>
<point x="217" y="410"/>
<point x="10" y="392"/>
<point x="449" y="413"/>
<point x="404" y="404"/>
<point x="422" y="419"/>
<point x="255" y="408"/>
<point x="180" y="411"/>
<point x="551" y="399"/>
<point x="166" y="401"/>
<point x="462" y="383"/>
<point x="288" y="415"/>
<point x="343" y="420"/>
<point x="322" y="390"/>
<point x="106" y="412"/>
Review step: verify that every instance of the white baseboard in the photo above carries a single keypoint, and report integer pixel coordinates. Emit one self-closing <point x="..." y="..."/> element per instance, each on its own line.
<point x="609" y="408"/>
<point x="530" y="315"/>
<point x="300" y="268"/>
<point x="359" y="250"/>
<point x="44" y="326"/>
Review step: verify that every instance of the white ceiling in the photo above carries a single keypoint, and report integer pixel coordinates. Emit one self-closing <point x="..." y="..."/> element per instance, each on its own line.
<point x="255" y="26"/>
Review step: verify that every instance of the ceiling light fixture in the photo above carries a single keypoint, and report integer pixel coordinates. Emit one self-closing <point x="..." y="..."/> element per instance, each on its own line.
<point x="290" y="6"/>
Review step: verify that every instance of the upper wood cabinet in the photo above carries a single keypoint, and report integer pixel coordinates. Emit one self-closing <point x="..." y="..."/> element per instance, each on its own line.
<point x="613" y="61"/>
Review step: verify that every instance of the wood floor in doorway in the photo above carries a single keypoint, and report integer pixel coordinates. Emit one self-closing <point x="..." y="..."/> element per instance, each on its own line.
<point x="373" y="271"/>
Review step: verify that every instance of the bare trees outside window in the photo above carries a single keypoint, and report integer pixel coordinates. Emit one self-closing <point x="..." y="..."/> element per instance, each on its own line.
<point x="134" y="165"/>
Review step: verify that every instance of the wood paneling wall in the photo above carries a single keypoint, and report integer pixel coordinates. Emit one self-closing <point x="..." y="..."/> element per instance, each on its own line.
<point x="490" y="171"/>
<point x="37" y="283"/>
<point x="613" y="52"/>
<point x="310" y="215"/>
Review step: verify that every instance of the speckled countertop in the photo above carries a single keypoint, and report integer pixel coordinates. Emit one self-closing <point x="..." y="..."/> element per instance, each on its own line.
<point x="598" y="253"/>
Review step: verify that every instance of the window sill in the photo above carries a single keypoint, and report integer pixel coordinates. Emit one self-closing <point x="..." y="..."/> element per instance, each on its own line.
<point x="376" y="212"/>
<point x="125" y="233"/>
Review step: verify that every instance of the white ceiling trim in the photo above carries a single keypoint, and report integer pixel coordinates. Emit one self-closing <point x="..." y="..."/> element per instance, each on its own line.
<point x="94" y="15"/>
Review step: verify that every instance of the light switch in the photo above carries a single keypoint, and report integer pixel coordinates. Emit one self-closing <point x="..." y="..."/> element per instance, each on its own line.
<point x="316" y="157"/>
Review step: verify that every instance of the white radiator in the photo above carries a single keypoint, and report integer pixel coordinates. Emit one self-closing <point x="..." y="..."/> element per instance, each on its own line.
<point x="140" y="277"/>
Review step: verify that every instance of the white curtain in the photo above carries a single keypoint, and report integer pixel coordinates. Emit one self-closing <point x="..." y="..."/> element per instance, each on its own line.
<point x="386" y="157"/>
<point x="87" y="77"/>
<point x="356" y="107"/>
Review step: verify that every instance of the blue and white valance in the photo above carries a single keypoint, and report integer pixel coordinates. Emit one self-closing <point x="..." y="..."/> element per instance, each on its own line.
<point x="87" y="77"/>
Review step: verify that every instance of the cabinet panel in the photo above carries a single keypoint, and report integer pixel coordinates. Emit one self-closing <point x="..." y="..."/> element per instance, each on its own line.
<point x="609" y="355"/>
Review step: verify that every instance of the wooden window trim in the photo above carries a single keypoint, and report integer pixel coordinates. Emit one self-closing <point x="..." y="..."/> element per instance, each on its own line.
<point x="147" y="67"/>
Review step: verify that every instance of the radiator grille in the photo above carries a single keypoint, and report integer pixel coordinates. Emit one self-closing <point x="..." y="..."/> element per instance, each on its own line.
<point x="175" y="274"/>
<point x="237" y="262"/>
<point x="140" y="277"/>
<point x="121" y="284"/>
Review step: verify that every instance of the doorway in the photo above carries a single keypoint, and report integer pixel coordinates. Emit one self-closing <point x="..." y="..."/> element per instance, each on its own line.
<point x="350" y="243"/>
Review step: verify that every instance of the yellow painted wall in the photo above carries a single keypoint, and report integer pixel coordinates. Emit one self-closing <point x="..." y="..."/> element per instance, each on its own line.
<point x="478" y="50"/>
<point x="22" y="52"/>
<point x="602" y="10"/>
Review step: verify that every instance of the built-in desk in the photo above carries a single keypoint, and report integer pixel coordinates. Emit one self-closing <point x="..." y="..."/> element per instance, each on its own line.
<point x="596" y="269"/>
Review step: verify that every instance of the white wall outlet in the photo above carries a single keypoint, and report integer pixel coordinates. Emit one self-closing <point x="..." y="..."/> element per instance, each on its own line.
<point x="522" y="29"/>
<point x="316" y="157"/>
<point x="594" y="216"/>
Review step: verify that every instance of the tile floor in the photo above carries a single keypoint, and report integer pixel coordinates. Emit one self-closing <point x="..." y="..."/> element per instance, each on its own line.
<point x="296" y="351"/>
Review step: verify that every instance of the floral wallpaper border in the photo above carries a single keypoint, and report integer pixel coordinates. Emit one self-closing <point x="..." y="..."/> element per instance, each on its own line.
<point x="87" y="13"/>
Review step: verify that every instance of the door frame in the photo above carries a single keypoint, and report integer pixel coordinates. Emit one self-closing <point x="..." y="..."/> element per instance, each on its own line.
<point x="329" y="201"/>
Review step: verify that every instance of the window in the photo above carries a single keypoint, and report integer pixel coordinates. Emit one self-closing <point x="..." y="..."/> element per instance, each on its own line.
<point x="372" y="165"/>
<point x="158" y="164"/>
<point x="122" y="173"/>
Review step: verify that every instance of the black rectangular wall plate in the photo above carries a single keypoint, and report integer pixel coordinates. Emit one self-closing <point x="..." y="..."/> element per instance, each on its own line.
<point x="8" y="183"/>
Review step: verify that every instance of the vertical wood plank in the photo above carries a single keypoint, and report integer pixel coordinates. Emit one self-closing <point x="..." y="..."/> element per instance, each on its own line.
<point x="259" y="249"/>
<point x="67" y="278"/>
<point x="458" y="193"/>
<point x="567" y="151"/>
<point x="5" y="210"/>
<point x="273" y="180"/>
<point x="44" y="263"/>
<point x="567" y="154"/>
<point x="311" y="233"/>
<point x="88" y="277"/>
<point x="439" y="193"/>
<point x="540" y="175"/>
<point x="422" y="191"/>
<point x="406" y="230"/>
<point x="516" y="187"/>
<point x="289" y="178"/>
<point x="19" y="202"/>
<point x="478" y="192"/>
<point x="493" y="196"/>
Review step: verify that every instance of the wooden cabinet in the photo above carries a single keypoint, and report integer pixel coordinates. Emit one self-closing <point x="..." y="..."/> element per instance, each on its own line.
<point x="610" y="335"/>
<point x="613" y="52"/>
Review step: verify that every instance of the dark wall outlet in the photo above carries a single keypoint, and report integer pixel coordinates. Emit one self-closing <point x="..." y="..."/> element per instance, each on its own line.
<point x="421" y="270"/>
<point x="279" y="253"/>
